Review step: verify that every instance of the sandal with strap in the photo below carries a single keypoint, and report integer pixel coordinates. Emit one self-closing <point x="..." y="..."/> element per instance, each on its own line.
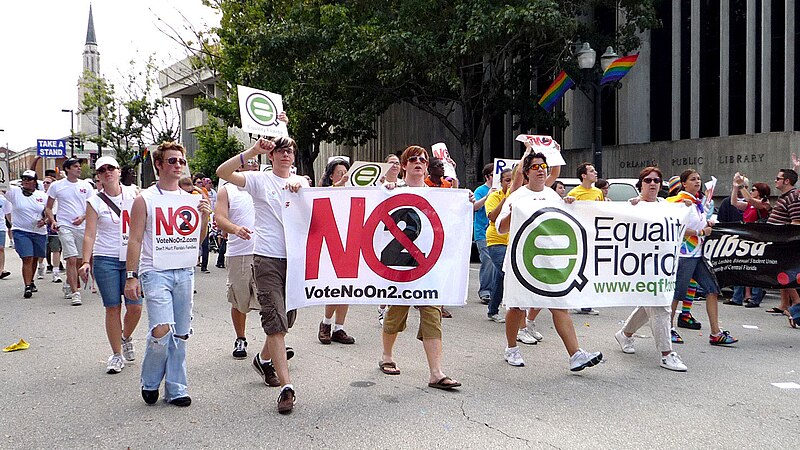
<point x="389" y="368"/>
<point x="445" y="383"/>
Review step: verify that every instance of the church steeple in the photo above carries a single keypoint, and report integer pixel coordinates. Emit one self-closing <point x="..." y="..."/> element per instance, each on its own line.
<point x="90" y="37"/>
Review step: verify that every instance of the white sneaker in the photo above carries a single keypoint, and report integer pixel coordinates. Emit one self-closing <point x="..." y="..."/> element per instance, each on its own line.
<point x="76" y="299"/>
<point x="67" y="291"/>
<point x="673" y="362"/>
<point x="531" y="327"/>
<point x="115" y="364"/>
<point x="583" y="359"/>
<point x="57" y="277"/>
<point x="625" y="342"/>
<point x="127" y="349"/>
<point x="40" y="273"/>
<point x="497" y="318"/>
<point x="525" y="337"/>
<point x="514" y="358"/>
<point x="381" y="314"/>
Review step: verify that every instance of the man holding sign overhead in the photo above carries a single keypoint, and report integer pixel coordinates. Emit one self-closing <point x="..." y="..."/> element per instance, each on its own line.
<point x="167" y="226"/>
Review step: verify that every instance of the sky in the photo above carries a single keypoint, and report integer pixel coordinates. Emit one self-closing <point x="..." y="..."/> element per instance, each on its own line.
<point x="41" y="54"/>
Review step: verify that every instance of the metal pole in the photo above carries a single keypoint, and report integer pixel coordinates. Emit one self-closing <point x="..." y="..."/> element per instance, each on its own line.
<point x="99" y="133"/>
<point x="598" y="129"/>
<point x="72" y="132"/>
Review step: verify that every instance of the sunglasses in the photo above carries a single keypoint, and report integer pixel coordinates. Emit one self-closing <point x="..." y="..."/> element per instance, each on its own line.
<point x="286" y="150"/>
<point x="537" y="166"/>
<point x="105" y="169"/>
<point x="417" y="158"/>
<point x="651" y="180"/>
<point x="28" y="179"/>
<point x="252" y="162"/>
<point x="174" y="160"/>
<point x="779" y="178"/>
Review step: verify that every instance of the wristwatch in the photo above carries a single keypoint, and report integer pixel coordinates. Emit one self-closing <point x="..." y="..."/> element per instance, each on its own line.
<point x="131" y="274"/>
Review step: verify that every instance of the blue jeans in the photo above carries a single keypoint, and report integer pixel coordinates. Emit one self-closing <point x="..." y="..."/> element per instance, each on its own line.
<point x="109" y="273"/>
<point x="486" y="276"/>
<point x="738" y="295"/>
<point x="168" y="297"/>
<point x="498" y="254"/>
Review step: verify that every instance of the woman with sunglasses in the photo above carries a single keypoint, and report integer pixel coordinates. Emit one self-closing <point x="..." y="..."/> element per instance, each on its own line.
<point x="659" y="316"/>
<point x="691" y="263"/>
<point x="28" y="224"/>
<point x="101" y="245"/>
<point x="534" y="172"/>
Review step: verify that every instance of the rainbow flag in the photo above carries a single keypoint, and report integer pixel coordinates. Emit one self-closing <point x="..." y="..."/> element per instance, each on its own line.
<point x="556" y="90"/>
<point x="618" y="69"/>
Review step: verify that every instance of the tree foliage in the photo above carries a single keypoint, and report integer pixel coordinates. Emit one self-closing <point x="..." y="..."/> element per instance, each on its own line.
<point x="215" y="146"/>
<point x="133" y="118"/>
<point x="465" y="62"/>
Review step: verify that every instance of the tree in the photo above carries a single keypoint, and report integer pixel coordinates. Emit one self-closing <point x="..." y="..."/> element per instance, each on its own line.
<point x="215" y="146"/>
<point x="465" y="62"/>
<point x="130" y="120"/>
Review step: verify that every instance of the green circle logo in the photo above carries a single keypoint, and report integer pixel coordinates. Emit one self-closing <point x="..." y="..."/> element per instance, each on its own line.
<point x="366" y="175"/>
<point x="548" y="254"/>
<point x="261" y="109"/>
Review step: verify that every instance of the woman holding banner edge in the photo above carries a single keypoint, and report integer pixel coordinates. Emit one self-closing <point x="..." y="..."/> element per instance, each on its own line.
<point x="534" y="171"/>
<point x="659" y="316"/>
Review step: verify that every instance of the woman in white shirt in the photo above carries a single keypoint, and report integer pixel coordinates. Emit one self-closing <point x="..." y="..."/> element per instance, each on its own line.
<point x="102" y="242"/>
<point x="28" y="224"/>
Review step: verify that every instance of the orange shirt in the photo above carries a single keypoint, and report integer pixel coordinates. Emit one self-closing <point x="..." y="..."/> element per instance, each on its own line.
<point x="445" y="183"/>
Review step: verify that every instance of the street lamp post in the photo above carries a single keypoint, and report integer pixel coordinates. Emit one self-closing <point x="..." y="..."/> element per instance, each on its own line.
<point x="592" y="74"/>
<point x="71" y="130"/>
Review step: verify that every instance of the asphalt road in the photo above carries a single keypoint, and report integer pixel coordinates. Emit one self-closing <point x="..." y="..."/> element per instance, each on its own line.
<point x="57" y="395"/>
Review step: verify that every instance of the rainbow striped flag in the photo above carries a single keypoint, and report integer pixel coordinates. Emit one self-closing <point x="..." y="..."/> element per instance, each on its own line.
<point x="618" y="69"/>
<point x="560" y="85"/>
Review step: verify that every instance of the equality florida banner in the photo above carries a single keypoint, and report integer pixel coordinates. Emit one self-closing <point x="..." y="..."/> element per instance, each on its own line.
<point x="407" y="246"/>
<point x="592" y="254"/>
<point x="755" y="254"/>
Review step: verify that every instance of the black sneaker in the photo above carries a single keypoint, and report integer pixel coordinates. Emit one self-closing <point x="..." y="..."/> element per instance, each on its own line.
<point x="267" y="372"/>
<point x="286" y="401"/>
<point x="181" y="401"/>
<point x="33" y="287"/>
<point x="150" y="397"/>
<point x="28" y="292"/>
<point x="289" y="353"/>
<point x="5" y="274"/>
<point x="240" y="348"/>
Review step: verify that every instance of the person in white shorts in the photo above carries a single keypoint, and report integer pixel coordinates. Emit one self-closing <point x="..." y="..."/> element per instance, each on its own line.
<point x="72" y="194"/>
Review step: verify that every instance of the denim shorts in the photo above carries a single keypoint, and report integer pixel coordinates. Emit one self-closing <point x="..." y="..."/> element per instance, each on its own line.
<point x="3" y="238"/>
<point x="699" y="269"/>
<point x="29" y="244"/>
<point x="109" y="273"/>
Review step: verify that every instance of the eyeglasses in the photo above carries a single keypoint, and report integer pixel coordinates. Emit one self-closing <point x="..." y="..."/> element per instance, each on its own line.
<point x="417" y="158"/>
<point x="395" y="163"/>
<point x="174" y="160"/>
<point x="779" y="178"/>
<point x="286" y="150"/>
<point x="537" y="166"/>
<point x="651" y="180"/>
<point x="105" y="169"/>
<point x="46" y="182"/>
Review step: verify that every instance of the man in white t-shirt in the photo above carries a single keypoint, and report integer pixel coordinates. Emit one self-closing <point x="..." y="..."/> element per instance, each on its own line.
<point x="269" y="258"/>
<point x="72" y="194"/>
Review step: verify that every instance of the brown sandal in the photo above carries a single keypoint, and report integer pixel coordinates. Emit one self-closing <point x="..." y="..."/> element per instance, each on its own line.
<point x="389" y="368"/>
<point x="445" y="383"/>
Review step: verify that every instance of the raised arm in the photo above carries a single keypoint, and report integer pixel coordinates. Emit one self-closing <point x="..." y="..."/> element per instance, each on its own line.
<point x="227" y="170"/>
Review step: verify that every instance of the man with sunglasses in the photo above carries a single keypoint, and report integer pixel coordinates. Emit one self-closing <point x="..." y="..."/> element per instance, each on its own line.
<point x="71" y="194"/>
<point x="28" y="224"/>
<point x="168" y="293"/>
<point x="269" y="252"/>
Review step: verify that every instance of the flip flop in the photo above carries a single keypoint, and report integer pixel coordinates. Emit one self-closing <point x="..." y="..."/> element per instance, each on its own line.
<point x="4" y="275"/>
<point x="441" y="384"/>
<point x="792" y="322"/>
<point x="389" y="368"/>
<point x="774" y="311"/>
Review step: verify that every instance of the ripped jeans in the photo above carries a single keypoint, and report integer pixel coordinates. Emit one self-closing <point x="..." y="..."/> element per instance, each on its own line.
<point x="168" y="298"/>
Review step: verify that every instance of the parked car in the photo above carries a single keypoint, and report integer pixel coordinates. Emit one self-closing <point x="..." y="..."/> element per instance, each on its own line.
<point x="619" y="189"/>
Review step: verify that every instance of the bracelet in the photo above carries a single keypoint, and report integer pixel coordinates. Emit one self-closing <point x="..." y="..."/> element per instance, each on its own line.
<point x="700" y="232"/>
<point x="241" y="158"/>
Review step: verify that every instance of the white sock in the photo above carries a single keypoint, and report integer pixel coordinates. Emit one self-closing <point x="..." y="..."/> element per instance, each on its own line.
<point x="337" y="327"/>
<point x="262" y="361"/>
<point x="508" y="349"/>
<point x="530" y="323"/>
<point x="327" y="321"/>
<point x="287" y="386"/>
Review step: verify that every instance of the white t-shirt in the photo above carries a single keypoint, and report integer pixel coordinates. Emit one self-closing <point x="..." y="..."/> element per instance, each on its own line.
<point x="72" y="199"/>
<point x="27" y="210"/>
<point x="524" y="192"/>
<point x="108" y="239"/>
<point x="146" y="257"/>
<point x="268" y="192"/>
<point x="242" y="213"/>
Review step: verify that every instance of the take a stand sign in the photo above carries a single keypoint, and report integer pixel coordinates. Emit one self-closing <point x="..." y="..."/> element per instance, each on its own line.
<point x="259" y="111"/>
<point x="176" y="223"/>
<point x="51" y="148"/>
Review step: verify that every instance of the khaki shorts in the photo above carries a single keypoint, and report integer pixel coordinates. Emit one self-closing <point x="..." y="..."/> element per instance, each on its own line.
<point x="71" y="242"/>
<point x="430" y="321"/>
<point x="270" y="277"/>
<point x="241" y="286"/>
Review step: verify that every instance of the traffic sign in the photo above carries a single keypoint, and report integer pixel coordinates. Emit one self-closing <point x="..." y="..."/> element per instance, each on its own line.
<point x="51" y="148"/>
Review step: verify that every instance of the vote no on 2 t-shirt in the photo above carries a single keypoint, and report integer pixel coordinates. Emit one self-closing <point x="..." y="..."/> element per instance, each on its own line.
<point x="71" y="199"/>
<point x="27" y="210"/>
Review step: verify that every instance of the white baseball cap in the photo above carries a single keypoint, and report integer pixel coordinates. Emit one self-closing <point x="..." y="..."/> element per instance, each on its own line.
<point x="30" y="173"/>
<point x="106" y="161"/>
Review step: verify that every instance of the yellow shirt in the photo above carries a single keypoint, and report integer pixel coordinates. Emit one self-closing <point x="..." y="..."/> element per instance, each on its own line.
<point x="581" y="193"/>
<point x="492" y="202"/>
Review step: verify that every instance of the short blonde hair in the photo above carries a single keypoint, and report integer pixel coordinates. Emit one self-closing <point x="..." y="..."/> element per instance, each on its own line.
<point x="158" y="154"/>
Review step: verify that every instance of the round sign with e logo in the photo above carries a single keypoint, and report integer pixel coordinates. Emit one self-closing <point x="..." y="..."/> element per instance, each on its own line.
<point x="548" y="254"/>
